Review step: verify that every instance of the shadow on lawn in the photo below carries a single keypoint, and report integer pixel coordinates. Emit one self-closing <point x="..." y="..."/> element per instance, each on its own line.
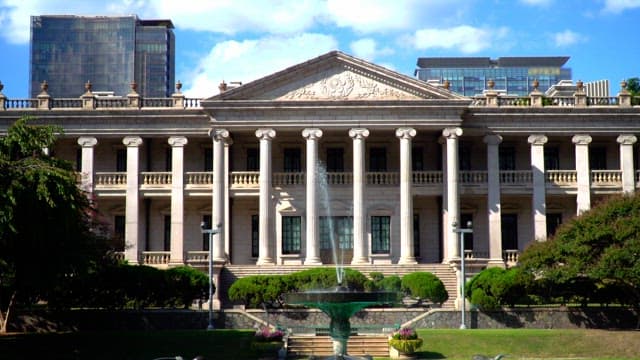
<point x="429" y="355"/>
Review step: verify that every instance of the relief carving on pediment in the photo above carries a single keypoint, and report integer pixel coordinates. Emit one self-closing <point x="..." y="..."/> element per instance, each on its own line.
<point x="347" y="86"/>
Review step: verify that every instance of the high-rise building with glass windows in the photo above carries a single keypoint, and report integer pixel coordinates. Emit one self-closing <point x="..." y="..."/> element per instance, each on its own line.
<point x="470" y="76"/>
<point x="109" y="51"/>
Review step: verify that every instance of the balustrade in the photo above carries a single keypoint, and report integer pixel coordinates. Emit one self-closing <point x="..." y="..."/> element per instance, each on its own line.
<point x="473" y="177"/>
<point x="427" y="177"/>
<point x="510" y="257"/>
<point x="111" y="179"/>
<point x="111" y="102"/>
<point x="66" y="103"/>
<point x="156" y="178"/>
<point x="157" y="102"/>
<point x="383" y="178"/>
<point x="289" y="178"/>
<point x="197" y="257"/>
<point x="21" y="103"/>
<point x="474" y="255"/>
<point x="339" y="178"/>
<point x="156" y="257"/>
<point x="561" y="101"/>
<point x="561" y="177"/>
<point x="610" y="100"/>
<point x="245" y="178"/>
<point x="606" y="177"/>
<point x="199" y="177"/>
<point x="514" y="101"/>
<point x="516" y="177"/>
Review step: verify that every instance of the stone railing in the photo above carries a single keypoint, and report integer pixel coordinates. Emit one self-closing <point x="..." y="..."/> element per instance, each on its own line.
<point x="383" y="178"/>
<point x="427" y="177"/>
<point x="245" y="178"/>
<point x="472" y="255"/>
<point x="156" y="257"/>
<point x="110" y="179"/>
<point x="289" y="178"/>
<point x="339" y="178"/>
<point x="197" y="257"/>
<point x="91" y="102"/>
<point x="472" y="177"/>
<point x="561" y="177"/>
<point x="516" y="177"/>
<point x="606" y="177"/>
<point x="156" y="178"/>
<point x="199" y="178"/>
<point x="510" y="257"/>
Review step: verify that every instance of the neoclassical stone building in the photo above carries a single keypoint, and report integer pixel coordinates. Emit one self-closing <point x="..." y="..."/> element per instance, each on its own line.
<point x="340" y="153"/>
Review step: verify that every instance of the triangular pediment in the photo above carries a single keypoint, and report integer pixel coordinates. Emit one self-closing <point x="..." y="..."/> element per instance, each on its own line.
<point x="336" y="76"/>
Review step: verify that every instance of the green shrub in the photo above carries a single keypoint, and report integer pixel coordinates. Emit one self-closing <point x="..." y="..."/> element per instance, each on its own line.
<point x="259" y="290"/>
<point x="325" y="278"/>
<point x="424" y="286"/>
<point x="495" y="287"/>
<point x="186" y="284"/>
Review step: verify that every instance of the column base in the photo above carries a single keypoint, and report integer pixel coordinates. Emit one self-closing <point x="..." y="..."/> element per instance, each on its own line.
<point x="407" y="261"/>
<point x="265" y="261"/>
<point x="313" y="261"/>
<point x="360" y="261"/>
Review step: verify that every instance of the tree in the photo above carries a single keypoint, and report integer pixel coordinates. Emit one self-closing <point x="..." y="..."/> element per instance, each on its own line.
<point x="599" y="249"/>
<point x="633" y="86"/>
<point x="48" y="229"/>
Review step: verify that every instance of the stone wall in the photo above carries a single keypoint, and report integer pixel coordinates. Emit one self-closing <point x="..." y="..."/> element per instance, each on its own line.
<point x="556" y="318"/>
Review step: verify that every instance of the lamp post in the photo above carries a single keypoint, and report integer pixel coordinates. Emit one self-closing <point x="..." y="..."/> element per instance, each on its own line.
<point x="210" y="232"/>
<point x="462" y="231"/>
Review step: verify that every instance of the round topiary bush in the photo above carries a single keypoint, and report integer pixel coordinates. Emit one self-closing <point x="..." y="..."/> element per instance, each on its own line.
<point x="425" y="287"/>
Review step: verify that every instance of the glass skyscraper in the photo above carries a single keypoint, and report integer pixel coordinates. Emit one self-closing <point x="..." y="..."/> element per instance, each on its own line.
<point x="470" y="76"/>
<point x="109" y="51"/>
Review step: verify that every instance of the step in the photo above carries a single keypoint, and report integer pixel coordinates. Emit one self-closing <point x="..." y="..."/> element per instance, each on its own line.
<point x="298" y="346"/>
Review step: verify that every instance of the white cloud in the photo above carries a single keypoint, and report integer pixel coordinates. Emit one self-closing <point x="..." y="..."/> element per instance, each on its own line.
<point x="567" y="38"/>
<point x="617" y="6"/>
<point x="466" y="39"/>
<point x="249" y="60"/>
<point x="367" y="49"/>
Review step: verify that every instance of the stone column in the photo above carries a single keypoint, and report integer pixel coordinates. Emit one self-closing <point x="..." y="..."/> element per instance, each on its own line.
<point x="177" y="198"/>
<point x="360" y="239"/>
<point x="626" y="162"/>
<point x="133" y="229"/>
<point x="493" y="200"/>
<point x="453" y="201"/>
<point x="313" y="247"/>
<point x="87" y="167"/>
<point x="406" y="197"/>
<point x="442" y="141"/>
<point x="217" y="209"/>
<point x="538" y="201"/>
<point x="227" y="201"/>
<point x="583" y="172"/>
<point x="266" y="204"/>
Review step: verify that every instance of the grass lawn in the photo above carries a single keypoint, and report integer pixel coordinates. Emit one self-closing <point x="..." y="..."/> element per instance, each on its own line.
<point x="234" y="344"/>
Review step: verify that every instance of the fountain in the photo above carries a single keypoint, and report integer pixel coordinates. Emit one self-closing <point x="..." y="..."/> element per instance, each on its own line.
<point x="339" y="303"/>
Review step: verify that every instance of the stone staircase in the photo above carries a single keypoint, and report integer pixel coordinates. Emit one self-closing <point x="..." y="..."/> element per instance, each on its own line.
<point x="444" y="272"/>
<point x="304" y="346"/>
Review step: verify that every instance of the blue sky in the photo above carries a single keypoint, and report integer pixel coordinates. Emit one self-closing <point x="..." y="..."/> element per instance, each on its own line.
<point x="243" y="40"/>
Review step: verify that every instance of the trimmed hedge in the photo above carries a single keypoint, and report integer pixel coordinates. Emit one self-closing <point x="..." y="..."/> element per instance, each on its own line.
<point x="424" y="286"/>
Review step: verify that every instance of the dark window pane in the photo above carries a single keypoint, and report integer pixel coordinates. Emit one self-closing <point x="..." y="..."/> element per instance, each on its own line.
<point x="509" y="232"/>
<point x="253" y="159"/>
<point x="292" y="160"/>
<point x="380" y="234"/>
<point x="291" y="234"/>
<point x="335" y="160"/>
<point x="377" y="159"/>
<point x="255" y="235"/>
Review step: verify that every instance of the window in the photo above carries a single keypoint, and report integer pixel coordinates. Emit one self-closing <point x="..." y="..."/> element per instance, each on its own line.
<point x="335" y="160"/>
<point x="417" y="159"/>
<point x="598" y="158"/>
<point x="79" y="159"/>
<point x="509" y="231"/>
<point x="167" y="233"/>
<point x="168" y="158"/>
<point x="377" y="159"/>
<point x="554" y="220"/>
<point x="464" y="156"/>
<point x="253" y="159"/>
<point x="468" y="237"/>
<point x="551" y="158"/>
<point x="292" y="160"/>
<point x="255" y="235"/>
<point x="380" y="234"/>
<point x="507" y="158"/>
<point x="291" y="234"/>
<point x="118" y="232"/>
<point x="416" y="235"/>
<point x="338" y="228"/>
<point x="208" y="159"/>
<point x="206" y="219"/>
<point x="121" y="160"/>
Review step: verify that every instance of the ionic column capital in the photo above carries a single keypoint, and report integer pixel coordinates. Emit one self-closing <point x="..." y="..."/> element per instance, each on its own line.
<point x="132" y="141"/>
<point x="177" y="141"/>
<point x="312" y="133"/>
<point x="626" y="139"/>
<point x="265" y="134"/>
<point x="581" y="139"/>
<point x="219" y="134"/>
<point x="537" y="139"/>
<point x="452" y="133"/>
<point x="492" y="139"/>
<point x="405" y="133"/>
<point x="358" y="133"/>
<point x="87" y="141"/>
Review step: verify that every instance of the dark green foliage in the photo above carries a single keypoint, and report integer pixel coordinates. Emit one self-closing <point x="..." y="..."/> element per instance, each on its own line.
<point x="496" y="287"/>
<point x="258" y="290"/>
<point x="186" y="284"/>
<point x="633" y="86"/>
<point x="325" y="278"/>
<point x="425" y="287"/>
<point x="379" y="282"/>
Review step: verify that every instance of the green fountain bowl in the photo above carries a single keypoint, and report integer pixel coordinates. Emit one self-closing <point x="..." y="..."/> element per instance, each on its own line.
<point x="340" y="302"/>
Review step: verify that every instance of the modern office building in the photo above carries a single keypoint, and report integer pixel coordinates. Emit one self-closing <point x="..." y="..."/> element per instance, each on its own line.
<point x="109" y="51"/>
<point x="339" y="153"/>
<point x="470" y="76"/>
